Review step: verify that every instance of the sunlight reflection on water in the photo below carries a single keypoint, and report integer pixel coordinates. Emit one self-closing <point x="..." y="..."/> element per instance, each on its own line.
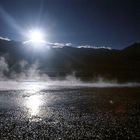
<point x="33" y="103"/>
<point x="37" y="108"/>
<point x="37" y="104"/>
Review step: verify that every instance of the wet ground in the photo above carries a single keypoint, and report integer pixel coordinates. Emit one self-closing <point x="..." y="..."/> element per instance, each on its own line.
<point x="70" y="113"/>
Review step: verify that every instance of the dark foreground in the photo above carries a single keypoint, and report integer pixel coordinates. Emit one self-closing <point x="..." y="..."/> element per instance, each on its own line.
<point x="70" y="113"/>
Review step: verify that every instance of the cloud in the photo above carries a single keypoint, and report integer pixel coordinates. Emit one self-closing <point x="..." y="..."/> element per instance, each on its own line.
<point x="5" y="38"/>
<point x="59" y="45"/>
<point x="94" y="47"/>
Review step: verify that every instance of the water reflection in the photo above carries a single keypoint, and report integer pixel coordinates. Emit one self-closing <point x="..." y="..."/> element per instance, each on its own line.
<point x="33" y="103"/>
<point x="37" y="105"/>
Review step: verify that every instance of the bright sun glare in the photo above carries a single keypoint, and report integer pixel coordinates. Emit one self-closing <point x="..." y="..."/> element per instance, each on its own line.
<point x="36" y="37"/>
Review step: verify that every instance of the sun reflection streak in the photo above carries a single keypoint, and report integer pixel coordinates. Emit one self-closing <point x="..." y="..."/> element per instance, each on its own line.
<point x="33" y="103"/>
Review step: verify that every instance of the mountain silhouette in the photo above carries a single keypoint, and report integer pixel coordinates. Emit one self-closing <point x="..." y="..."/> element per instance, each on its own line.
<point x="86" y="63"/>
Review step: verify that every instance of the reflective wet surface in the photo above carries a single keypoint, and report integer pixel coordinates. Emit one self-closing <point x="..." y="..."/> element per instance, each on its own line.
<point x="70" y="113"/>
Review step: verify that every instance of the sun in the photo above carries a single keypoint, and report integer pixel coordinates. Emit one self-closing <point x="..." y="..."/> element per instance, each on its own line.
<point x="35" y="37"/>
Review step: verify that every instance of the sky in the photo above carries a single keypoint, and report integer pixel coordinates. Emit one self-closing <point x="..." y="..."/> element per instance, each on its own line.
<point x="111" y="23"/>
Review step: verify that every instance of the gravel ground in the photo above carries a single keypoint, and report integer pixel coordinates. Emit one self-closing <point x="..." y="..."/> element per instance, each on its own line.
<point x="70" y="113"/>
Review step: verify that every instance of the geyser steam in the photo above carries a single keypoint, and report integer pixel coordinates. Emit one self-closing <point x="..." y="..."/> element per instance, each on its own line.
<point x="31" y="77"/>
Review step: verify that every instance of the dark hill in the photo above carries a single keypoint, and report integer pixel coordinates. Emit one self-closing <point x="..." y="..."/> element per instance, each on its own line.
<point x="87" y="63"/>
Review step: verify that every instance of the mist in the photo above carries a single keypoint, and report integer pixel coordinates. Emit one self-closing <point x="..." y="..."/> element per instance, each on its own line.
<point x="30" y="77"/>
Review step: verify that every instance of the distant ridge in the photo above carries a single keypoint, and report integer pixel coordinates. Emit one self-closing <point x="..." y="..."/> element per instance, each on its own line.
<point x="86" y="63"/>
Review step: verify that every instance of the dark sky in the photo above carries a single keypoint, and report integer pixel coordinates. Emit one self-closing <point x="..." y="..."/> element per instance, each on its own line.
<point x="113" y="23"/>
